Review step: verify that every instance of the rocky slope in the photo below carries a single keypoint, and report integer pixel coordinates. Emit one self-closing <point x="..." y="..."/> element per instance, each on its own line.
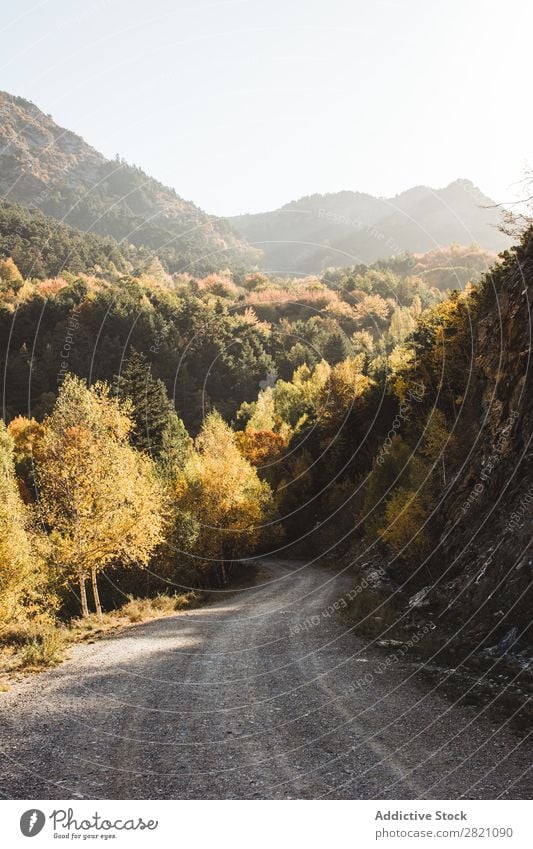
<point x="314" y="232"/>
<point x="477" y="584"/>
<point x="45" y="166"/>
<point x="486" y="516"/>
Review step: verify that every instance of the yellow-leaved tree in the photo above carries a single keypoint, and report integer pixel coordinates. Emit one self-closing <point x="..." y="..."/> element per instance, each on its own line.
<point x="222" y="490"/>
<point x="100" y="498"/>
<point x="343" y="392"/>
<point x="21" y="567"/>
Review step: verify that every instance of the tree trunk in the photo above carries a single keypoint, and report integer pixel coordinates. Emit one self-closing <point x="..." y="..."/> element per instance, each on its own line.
<point x="97" y="604"/>
<point x="83" y="594"/>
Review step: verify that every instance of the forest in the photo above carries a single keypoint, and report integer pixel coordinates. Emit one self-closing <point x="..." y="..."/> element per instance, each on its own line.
<point x="160" y="428"/>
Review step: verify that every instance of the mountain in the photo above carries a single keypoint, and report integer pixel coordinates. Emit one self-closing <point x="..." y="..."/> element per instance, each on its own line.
<point x="346" y="228"/>
<point x="45" y="166"/>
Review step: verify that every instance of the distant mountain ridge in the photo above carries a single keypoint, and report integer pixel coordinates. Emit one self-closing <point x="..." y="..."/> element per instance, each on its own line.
<point x="346" y="228"/>
<point x="47" y="167"/>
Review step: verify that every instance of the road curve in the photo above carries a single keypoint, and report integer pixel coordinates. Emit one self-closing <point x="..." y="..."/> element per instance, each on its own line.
<point x="235" y="701"/>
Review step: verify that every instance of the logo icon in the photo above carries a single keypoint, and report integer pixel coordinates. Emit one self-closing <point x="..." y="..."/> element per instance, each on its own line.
<point x="32" y="822"/>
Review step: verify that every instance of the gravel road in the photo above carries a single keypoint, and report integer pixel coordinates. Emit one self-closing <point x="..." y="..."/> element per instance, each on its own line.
<point x="233" y="701"/>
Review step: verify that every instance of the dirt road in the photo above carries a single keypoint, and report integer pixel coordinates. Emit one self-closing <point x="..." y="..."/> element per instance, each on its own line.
<point x="236" y="701"/>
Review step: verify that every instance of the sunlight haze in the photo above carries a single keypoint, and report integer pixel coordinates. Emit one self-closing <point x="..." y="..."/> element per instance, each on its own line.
<point x="244" y="106"/>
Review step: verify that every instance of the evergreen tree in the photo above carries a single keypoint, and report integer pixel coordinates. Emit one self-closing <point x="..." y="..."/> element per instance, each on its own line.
<point x="157" y="429"/>
<point x="336" y="349"/>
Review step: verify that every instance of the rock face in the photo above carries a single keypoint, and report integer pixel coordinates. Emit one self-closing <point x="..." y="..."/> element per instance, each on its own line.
<point x="480" y="591"/>
<point x="484" y="534"/>
<point x="37" y="156"/>
<point x="347" y="228"/>
<point x="45" y="166"/>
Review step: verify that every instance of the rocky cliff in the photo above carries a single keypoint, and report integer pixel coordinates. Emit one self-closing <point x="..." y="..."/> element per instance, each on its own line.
<point x="485" y="522"/>
<point x="476" y="584"/>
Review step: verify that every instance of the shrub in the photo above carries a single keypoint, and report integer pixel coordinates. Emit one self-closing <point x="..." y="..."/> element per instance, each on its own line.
<point x="405" y="515"/>
<point x="45" y="648"/>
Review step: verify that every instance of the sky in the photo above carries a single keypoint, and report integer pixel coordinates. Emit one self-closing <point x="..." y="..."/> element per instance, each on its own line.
<point x="244" y="105"/>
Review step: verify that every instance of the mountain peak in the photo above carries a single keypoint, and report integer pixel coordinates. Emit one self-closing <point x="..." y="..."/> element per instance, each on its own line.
<point x="45" y="166"/>
<point x="348" y="227"/>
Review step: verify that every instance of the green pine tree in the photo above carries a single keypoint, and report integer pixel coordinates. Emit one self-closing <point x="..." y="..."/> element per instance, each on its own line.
<point x="157" y="429"/>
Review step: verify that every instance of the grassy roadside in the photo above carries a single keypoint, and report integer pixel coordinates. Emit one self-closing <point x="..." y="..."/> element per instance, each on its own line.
<point x="33" y="646"/>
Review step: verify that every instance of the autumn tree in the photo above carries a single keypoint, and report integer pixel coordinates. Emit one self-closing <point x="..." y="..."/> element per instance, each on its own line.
<point x="99" y="497"/>
<point x="343" y="392"/>
<point x="439" y="443"/>
<point x="402" y="323"/>
<point x="264" y="449"/>
<point x="26" y="435"/>
<point x="223" y="491"/>
<point x="404" y="527"/>
<point x="372" y="310"/>
<point x="20" y="566"/>
<point x="260" y="447"/>
<point x="10" y="276"/>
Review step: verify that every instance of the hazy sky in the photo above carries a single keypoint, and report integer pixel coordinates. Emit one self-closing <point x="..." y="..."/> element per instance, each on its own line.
<point x="246" y="104"/>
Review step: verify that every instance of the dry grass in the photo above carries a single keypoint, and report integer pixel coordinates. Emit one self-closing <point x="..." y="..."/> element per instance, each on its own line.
<point x="46" y="649"/>
<point x="34" y="645"/>
<point x="136" y="610"/>
<point x="139" y="609"/>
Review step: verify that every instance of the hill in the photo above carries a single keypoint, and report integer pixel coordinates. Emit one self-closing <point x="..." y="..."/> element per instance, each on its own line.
<point x="45" y="166"/>
<point x="308" y="235"/>
<point x="42" y="247"/>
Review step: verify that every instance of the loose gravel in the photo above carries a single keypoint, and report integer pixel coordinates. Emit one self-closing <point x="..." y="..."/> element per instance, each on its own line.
<point x="264" y="694"/>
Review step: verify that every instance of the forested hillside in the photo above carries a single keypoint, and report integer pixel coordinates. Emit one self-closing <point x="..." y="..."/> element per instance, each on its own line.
<point x="42" y="247"/>
<point x="308" y="235"/>
<point x="213" y="339"/>
<point x="45" y="166"/>
<point x="228" y="415"/>
<point x="168" y="411"/>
